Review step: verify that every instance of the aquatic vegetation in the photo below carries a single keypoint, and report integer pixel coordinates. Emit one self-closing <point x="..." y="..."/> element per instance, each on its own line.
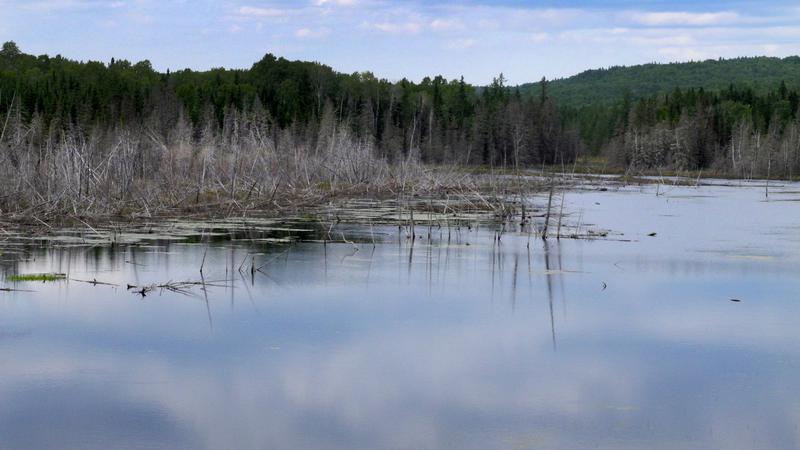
<point x="413" y="293"/>
<point x="42" y="277"/>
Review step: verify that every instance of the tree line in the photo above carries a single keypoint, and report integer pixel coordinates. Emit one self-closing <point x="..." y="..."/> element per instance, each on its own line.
<point x="609" y="85"/>
<point x="736" y="131"/>
<point x="741" y="130"/>
<point x="435" y="120"/>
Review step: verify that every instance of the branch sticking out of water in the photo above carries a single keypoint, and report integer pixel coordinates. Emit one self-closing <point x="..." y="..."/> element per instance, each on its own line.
<point x="94" y="282"/>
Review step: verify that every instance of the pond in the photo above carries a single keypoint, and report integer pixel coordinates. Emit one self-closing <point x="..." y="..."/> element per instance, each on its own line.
<point x="680" y="328"/>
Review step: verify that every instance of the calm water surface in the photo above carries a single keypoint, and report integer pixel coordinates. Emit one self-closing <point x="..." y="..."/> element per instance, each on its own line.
<point x="631" y="341"/>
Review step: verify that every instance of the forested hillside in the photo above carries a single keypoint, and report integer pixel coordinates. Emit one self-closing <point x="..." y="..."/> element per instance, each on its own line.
<point x="606" y="86"/>
<point x="734" y="117"/>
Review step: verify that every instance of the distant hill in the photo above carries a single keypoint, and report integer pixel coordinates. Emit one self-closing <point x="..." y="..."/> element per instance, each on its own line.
<point x="602" y="86"/>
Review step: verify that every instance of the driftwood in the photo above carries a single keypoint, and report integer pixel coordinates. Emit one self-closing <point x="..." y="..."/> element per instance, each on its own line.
<point x="179" y="287"/>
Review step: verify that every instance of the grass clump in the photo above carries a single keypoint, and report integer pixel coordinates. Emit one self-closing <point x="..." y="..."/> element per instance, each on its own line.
<point x="42" y="277"/>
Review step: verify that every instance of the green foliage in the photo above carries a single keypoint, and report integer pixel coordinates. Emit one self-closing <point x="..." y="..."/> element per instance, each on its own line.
<point x="443" y="120"/>
<point x="41" y="277"/>
<point x="600" y="122"/>
<point x="437" y="119"/>
<point x="607" y="86"/>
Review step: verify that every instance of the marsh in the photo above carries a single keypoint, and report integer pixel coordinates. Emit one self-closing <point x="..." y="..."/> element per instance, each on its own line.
<point x="360" y="337"/>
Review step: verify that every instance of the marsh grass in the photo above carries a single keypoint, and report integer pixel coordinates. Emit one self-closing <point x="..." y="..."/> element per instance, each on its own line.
<point x="39" y="277"/>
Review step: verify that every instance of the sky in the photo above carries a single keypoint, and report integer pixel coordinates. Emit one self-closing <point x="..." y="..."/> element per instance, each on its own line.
<point x="477" y="39"/>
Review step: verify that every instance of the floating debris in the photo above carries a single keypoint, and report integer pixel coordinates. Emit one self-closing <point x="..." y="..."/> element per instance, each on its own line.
<point x="14" y="290"/>
<point x="94" y="282"/>
<point x="179" y="287"/>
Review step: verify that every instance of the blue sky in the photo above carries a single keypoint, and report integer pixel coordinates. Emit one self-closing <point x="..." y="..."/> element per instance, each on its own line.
<point x="475" y="38"/>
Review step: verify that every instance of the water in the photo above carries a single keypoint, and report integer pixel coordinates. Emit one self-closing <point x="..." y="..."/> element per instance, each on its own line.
<point x="630" y="341"/>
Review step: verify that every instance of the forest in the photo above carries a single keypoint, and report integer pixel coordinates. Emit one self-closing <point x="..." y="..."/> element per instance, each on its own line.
<point x="441" y="120"/>
<point x="734" y="132"/>
<point x="93" y="133"/>
<point x="608" y="85"/>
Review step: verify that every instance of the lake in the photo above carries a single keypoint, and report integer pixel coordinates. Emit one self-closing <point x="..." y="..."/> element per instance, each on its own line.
<point x="688" y="338"/>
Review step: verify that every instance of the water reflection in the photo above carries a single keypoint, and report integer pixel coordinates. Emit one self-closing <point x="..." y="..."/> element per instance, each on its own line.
<point x="451" y="339"/>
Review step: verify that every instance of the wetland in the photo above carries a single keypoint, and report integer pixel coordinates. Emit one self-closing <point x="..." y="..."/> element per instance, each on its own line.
<point x="662" y="314"/>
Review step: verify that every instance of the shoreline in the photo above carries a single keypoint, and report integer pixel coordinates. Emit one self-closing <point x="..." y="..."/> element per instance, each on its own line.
<point x="489" y="191"/>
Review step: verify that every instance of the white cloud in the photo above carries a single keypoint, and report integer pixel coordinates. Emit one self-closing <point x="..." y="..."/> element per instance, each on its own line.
<point x="308" y="33"/>
<point x="254" y="11"/>
<point x="771" y="49"/>
<point x="446" y="24"/>
<point x="683" y="53"/>
<point x="460" y="44"/>
<point x="488" y="24"/>
<point x="683" y="18"/>
<point x="559" y="16"/>
<point x="781" y="32"/>
<point x="140" y="18"/>
<point x="500" y="37"/>
<point x="67" y="5"/>
<point x="538" y="38"/>
<point x="335" y="2"/>
<point x="653" y="37"/>
<point x="395" y="28"/>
